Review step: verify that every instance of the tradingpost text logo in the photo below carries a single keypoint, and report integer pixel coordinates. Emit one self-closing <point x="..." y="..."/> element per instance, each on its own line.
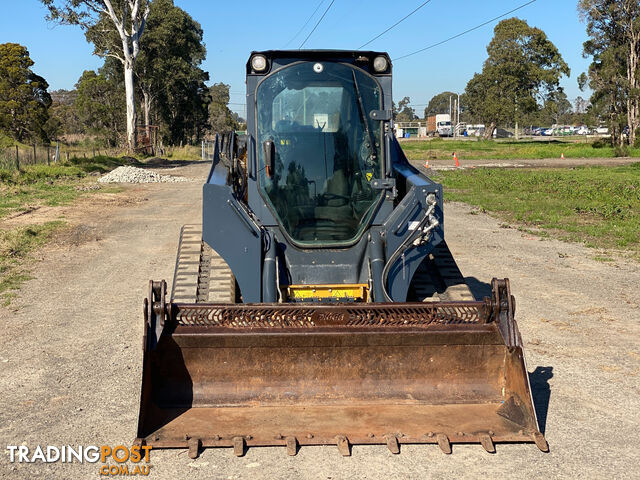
<point x="116" y="461"/>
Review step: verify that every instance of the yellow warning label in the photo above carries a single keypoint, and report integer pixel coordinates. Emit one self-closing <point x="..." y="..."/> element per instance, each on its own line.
<point x="308" y="292"/>
<point x="369" y="176"/>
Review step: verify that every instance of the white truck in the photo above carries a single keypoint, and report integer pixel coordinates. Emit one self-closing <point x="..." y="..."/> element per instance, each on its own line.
<point x="439" y="125"/>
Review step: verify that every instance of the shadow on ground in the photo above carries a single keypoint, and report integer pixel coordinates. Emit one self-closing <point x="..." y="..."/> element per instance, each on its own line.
<point x="478" y="288"/>
<point x="158" y="162"/>
<point x="541" y="392"/>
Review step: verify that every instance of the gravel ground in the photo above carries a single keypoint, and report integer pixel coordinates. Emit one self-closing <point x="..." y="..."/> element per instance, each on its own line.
<point x="127" y="174"/>
<point x="71" y="357"/>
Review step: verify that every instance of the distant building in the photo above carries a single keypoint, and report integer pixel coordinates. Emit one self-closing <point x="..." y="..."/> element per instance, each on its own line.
<point x="413" y="129"/>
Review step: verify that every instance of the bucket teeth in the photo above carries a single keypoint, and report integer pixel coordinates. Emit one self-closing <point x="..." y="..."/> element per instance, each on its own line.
<point x="292" y="446"/>
<point x="238" y="446"/>
<point x="443" y="443"/>
<point x="392" y="444"/>
<point x="343" y="445"/>
<point x="541" y="443"/>
<point x="194" y="445"/>
<point x="487" y="443"/>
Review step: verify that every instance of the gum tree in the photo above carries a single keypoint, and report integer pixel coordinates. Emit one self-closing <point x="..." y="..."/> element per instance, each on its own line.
<point x="24" y="100"/>
<point x="613" y="27"/>
<point x="522" y="71"/>
<point x="127" y="19"/>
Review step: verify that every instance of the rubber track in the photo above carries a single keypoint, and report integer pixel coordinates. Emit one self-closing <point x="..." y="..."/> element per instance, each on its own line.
<point x="201" y="275"/>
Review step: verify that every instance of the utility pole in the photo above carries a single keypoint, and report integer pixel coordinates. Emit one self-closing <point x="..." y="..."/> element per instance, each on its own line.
<point x="517" y="134"/>
<point x="454" y="123"/>
<point x="449" y="112"/>
<point x="458" y="115"/>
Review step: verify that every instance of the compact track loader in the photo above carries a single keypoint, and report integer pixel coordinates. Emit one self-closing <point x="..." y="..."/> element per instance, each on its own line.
<point x="318" y="302"/>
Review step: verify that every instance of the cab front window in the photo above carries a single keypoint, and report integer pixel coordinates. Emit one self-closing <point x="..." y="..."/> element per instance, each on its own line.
<point x="327" y="150"/>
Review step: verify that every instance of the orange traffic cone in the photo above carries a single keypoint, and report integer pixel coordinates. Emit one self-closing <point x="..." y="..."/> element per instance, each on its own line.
<point x="455" y="157"/>
<point x="562" y="156"/>
<point x="426" y="163"/>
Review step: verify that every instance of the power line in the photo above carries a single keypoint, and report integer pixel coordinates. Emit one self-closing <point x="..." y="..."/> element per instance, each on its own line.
<point x="465" y="32"/>
<point x="394" y="25"/>
<point x="303" y="26"/>
<point x="316" y="26"/>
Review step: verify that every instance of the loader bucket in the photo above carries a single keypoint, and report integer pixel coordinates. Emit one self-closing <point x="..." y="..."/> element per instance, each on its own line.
<point x="243" y="375"/>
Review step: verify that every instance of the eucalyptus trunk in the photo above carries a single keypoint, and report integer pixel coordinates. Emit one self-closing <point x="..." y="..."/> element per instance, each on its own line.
<point x="488" y="132"/>
<point x="146" y="102"/>
<point x="131" y="105"/>
<point x="633" y="100"/>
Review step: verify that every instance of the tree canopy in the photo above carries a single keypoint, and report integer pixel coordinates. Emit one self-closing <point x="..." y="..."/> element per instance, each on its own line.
<point x="405" y="113"/>
<point x="439" y="104"/>
<point x="523" y="69"/>
<point x="24" y="100"/>
<point x="99" y="105"/>
<point x="170" y="79"/>
<point x="220" y="117"/>
<point x="613" y="27"/>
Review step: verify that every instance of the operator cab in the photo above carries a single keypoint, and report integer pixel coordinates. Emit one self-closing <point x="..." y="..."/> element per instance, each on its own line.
<point x="319" y="150"/>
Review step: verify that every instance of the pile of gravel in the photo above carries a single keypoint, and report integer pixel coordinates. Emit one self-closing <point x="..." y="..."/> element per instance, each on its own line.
<point x="128" y="174"/>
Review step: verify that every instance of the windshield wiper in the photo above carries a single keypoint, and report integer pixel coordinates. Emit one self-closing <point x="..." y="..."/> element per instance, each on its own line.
<point x="364" y="117"/>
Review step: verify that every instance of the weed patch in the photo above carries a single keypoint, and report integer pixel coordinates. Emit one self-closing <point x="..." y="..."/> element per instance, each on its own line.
<point x="50" y="185"/>
<point x="15" y="246"/>
<point x="511" y="149"/>
<point x="598" y="206"/>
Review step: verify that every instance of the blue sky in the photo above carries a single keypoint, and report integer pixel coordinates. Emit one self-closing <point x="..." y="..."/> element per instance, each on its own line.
<point x="233" y="29"/>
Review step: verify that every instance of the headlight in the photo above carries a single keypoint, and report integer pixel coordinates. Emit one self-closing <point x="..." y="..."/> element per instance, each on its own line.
<point x="380" y="64"/>
<point x="259" y="63"/>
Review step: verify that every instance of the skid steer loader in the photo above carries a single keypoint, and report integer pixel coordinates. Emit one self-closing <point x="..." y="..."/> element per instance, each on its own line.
<point x="318" y="302"/>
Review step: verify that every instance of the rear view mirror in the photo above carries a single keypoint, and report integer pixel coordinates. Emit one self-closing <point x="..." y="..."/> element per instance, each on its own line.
<point x="269" y="149"/>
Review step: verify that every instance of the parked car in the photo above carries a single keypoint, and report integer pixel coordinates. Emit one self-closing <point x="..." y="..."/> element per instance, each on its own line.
<point x="547" y="132"/>
<point x="602" y="130"/>
<point x="582" y="130"/>
<point x="502" y="133"/>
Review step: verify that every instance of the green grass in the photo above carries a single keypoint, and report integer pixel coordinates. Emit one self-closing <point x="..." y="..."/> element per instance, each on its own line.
<point x="506" y="150"/>
<point x="47" y="185"/>
<point x="599" y="206"/>
<point x="34" y="186"/>
<point x="186" y="152"/>
<point x="15" y="246"/>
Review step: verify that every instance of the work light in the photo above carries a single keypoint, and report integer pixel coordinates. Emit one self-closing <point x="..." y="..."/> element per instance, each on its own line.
<point x="380" y="64"/>
<point x="259" y="63"/>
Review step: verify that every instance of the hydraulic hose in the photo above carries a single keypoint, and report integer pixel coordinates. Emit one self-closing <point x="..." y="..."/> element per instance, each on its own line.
<point x="420" y="235"/>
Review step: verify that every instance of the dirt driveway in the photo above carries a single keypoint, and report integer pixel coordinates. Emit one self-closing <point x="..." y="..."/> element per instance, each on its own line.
<point x="71" y="352"/>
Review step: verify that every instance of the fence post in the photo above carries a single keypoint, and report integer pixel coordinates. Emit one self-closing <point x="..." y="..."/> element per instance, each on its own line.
<point x="35" y="159"/>
<point x="67" y="155"/>
<point x="57" y="154"/>
<point x="17" y="159"/>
